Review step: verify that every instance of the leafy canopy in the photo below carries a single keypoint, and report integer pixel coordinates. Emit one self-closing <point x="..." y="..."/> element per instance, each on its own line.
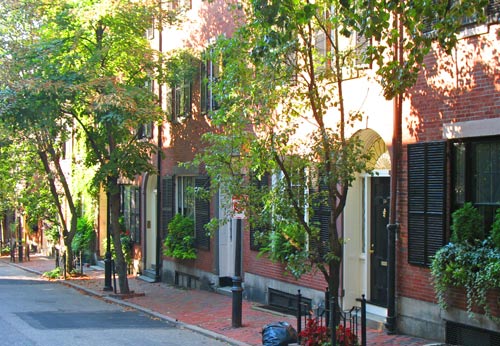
<point x="283" y="113"/>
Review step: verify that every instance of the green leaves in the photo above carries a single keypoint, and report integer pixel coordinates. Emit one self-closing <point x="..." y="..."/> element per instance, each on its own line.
<point x="78" y="69"/>
<point x="179" y="66"/>
<point x="179" y="242"/>
<point x="472" y="267"/>
<point x="469" y="261"/>
<point x="467" y="225"/>
<point x="421" y="23"/>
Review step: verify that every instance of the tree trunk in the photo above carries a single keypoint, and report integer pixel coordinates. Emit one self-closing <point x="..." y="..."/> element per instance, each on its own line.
<point x="120" y="263"/>
<point x="56" y="176"/>
<point x="333" y="287"/>
<point x="334" y="265"/>
<point x="68" y="240"/>
<point x="67" y="234"/>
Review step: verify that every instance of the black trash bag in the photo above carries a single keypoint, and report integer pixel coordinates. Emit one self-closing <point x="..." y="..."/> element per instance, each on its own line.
<point x="278" y="334"/>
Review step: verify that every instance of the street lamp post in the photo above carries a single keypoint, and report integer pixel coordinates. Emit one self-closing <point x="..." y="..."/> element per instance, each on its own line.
<point x="107" y="259"/>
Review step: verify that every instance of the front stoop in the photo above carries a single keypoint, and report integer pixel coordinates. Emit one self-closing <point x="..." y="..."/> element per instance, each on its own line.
<point x="375" y="322"/>
<point x="146" y="278"/>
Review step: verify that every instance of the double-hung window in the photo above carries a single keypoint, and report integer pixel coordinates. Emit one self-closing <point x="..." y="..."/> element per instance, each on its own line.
<point x="185" y="196"/>
<point x="476" y="176"/>
<point x="303" y="191"/>
<point x="179" y="196"/>
<point x="469" y="24"/>
<point x="130" y="211"/>
<point x="262" y="224"/>
<point x="210" y="69"/>
<point x="145" y="131"/>
<point x="181" y="100"/>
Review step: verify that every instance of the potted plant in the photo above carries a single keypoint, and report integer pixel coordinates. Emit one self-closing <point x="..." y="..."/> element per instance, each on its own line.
<point x="470" y="261"/>
<point x="179" y="242"/>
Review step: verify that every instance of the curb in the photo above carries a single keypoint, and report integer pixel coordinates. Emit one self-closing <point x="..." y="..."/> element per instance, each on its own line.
<point x="121" y="302"/>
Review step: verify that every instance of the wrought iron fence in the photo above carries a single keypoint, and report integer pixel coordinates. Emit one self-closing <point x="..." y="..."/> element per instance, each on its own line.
<point x="328" y="323"/>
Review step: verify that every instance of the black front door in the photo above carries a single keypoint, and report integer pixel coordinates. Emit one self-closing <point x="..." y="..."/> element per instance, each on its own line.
<point x="380" y="194"/>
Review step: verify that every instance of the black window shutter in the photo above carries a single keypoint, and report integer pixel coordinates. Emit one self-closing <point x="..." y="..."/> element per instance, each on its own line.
<point x="261" y="184"/>
<point x="203" y="87"/>
<point x="167" y="196"/>
<point x="321" y="217"/>
<point x="202" y="214"/>
<point x="135" y="222"/>
<point x="426" y="200"/>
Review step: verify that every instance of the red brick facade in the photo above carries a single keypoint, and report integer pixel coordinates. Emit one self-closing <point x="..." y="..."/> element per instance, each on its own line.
<point x="264" y="267"/>
<point x="464" y="86"/>
<point x="456" y="88"/>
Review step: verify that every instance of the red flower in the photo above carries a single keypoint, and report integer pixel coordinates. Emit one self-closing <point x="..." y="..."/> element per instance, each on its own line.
<point x="345" y="336"/>
<point x="314" y="334"/>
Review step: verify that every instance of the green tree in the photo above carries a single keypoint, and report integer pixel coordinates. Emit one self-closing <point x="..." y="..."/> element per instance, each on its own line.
<point x="79" y="70"/>
<point x="23" y="183"/>
<point x="32" y="99"/>
<point x="276" y="80"/>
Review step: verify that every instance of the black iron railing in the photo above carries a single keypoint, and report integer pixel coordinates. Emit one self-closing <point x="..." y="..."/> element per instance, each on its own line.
<point x="330" y="323"/>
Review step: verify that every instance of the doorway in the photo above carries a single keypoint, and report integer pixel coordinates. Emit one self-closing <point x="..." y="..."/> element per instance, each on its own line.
<point x="227" y="241"/>
<point x="150" y="230"/>
<point x="379" y="211"/>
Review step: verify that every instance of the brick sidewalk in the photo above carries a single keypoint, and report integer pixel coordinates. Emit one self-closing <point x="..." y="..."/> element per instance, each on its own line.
<point x="205" y="312"/>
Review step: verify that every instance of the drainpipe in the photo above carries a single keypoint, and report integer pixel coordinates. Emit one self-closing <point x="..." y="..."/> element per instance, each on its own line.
<point x="158" y="206"/>
<point x="393" y="226"/>
<point x="158" y="163"/>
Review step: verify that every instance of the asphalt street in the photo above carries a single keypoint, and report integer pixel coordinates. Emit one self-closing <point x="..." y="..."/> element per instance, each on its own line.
<point x="41" y="313"/>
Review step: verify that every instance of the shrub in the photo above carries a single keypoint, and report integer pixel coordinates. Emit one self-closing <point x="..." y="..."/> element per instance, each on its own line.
<point x="287" y="246"/>
<point x="53" y="274"/>
<point x="6" y="250"/>
<point x="467" y="225"/>
<point x="495" y="230"/>
<point x="469" y="261"/>
<point x="473" y="267"/>
<point x="179" y="242"/>
<point x="84" y="236"/>
<point x="127" y="246"/>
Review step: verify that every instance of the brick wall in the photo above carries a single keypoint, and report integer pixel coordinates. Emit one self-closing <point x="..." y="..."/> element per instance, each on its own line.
<point x="462" y="87"/>
<point x="182" y="140"/>
<point x="260" y="265"/>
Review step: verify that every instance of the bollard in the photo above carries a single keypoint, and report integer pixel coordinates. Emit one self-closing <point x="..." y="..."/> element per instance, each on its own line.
<point x="107" y="272"/>
<point x="114" y="275"/>
<point x="64" y="264"/>
<point x="363" y="320"/>
<point x="299" y="315"/>
<point x="20" y="249"/>
<point x="237" y="290"/>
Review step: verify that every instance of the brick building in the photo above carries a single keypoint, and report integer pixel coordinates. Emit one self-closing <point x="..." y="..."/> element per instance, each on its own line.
<point x="151" y="201"/>
<point x="451" y="139"/>
<point x="455" y="103"/>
